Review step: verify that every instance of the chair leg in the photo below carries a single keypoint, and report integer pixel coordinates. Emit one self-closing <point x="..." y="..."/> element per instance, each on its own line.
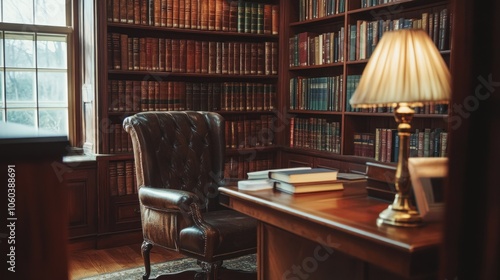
<point x="146" y="249"/>
<point x="210" y="269"/>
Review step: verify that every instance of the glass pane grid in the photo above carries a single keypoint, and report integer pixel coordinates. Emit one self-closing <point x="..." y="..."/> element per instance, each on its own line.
<point x="38" y="12"/>
<point x="34" y="80"/>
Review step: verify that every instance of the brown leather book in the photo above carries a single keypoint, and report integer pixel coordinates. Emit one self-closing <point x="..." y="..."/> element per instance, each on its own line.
<point x="136" y="96"/>
<point x="142" y="54"/>
<point x="218" y="15"/>
<point x="157" y="13"/>
<point x="225" y="15"/>
<point x="212" y="57"/>
<point x="237" y="58"/>
<point x="224" y="57"/>
<point x="175" y="13"/>
<point x="212" y="4"/>
<point x="144" y="96"/>
<point x="253" y="58"/>
<point x="182" y="55"/>
<point x="204" y="57"/>
<point x="130" y="11"/>
<point x="175" y="55"/>
<point x="120" y="175"/>
<point x="204" y="11"/>
<point x="197" y="56"/>
<point x="181" y="13"/>
<point x="144" y="12"/>
<point x="113" y="186"/>
<point x="129" y="176"/>
<point x="123" y="51"/>
<point x="230" y="58"/>
<point x="233" y="16"/>
<point x="169" y="13"/>
<point x="190" y="56"/>
<point x="187" y="14"/>
<point x="155" y="54"/>
<point x="195" y="9"/>
<point x="168" y="55"/>
<point x="161" y="54"/>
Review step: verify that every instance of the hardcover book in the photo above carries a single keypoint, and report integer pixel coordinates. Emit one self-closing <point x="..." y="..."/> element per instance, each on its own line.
<point x="309" y="186"/>
<point x="304" y="175"/>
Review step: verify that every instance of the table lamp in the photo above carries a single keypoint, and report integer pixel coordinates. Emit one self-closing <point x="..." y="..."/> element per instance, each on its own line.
<point x="405" y="70"/>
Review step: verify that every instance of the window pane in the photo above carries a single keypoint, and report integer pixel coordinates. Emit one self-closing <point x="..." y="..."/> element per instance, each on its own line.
<point x="52" y="51"/>
<point x="54" y="120"/>
<point x="22" y="116"/>
<point x="19" y="50"/>
<point x="2" y="113"/>
<point x="2" y="105"/>
<point x="20" y="88"/>
<point x="50" y="12"/>
<point x="1" y="48"/>
<point x="52" y="89"/>
<point x="18" y="11"/>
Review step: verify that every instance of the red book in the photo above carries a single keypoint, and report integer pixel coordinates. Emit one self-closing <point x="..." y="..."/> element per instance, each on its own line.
<point x="190" y="56"/>
<point x="275" y="19"/>
<point x="195" y="8"/>
<point x="268" y="19"/>
<point x="169" y="13"/>
<point x="204" y="14"/>
<point x="181" y="13"/>
<point x="123" y="51"/>
<point x="187" y="13"/>
<point x="175" y="55"/>
<point x="168" y="55"/>
<point x="175" y="13"/>
<point x="218" y="14"/>
<point x="237" y="58"/>
<point x="182" y="55"/>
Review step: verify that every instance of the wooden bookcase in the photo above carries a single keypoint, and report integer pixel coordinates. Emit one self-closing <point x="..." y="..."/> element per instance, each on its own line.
<point x="349" y="138"/>
<point x="245" y="73"/>
<point x="158" y="55"/>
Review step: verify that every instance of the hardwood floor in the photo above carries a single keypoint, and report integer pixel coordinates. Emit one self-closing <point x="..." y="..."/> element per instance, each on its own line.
<point x="85" y="263"/>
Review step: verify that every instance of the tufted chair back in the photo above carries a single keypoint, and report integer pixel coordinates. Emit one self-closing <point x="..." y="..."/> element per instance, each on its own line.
<point x="181" y="150"/>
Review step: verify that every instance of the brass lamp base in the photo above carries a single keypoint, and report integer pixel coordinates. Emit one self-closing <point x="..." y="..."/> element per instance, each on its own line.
<point x="408" y="218"/>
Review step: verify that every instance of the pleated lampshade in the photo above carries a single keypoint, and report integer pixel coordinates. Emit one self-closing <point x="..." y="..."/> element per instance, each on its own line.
<point x="405" y="67"/>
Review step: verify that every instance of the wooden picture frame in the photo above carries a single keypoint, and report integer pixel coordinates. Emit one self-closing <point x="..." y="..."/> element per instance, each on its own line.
<point x="428" y="176"/>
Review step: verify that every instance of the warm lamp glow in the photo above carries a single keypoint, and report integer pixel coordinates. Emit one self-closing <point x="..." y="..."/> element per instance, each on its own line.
<point x="406" y="67"/>
<point x="404" y="71"/>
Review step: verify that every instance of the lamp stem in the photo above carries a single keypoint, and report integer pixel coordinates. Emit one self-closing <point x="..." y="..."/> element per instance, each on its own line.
<point x="402" y="212"/>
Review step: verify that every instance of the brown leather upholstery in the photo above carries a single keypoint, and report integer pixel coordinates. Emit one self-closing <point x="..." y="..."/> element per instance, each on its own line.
<point x="179" y="158"/>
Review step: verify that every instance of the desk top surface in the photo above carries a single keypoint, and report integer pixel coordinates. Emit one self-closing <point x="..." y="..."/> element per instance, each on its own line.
<point x="349" y="210"/>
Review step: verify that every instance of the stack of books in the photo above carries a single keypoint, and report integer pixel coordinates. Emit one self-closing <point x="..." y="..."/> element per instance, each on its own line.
<point x="293" y="180"/>
<point x="306" y="180"/>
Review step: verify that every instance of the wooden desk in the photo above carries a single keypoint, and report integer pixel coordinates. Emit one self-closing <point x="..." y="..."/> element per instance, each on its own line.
<point x="333" y="235"/>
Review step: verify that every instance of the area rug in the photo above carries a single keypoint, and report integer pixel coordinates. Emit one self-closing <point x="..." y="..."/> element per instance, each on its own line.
<point x="246" y="263"/>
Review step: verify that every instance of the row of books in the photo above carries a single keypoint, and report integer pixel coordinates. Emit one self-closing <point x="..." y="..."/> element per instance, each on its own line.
<point x="316" y="93"/>
<point x="244" y="132"/>
<point x="315" y="133"/>
<point x="352" y="82"/>
<point x="313" y="9"/>
<point x="219" y="15"/>
<point x="383" y="145"/>
<point x="191" y="56"/>
<point x="240" y="132"/>
<point x="372" y="3"/>
<point x="309" y="48"/>
<point x="364" y="35"/>
<point x="122" y="178"/>
<point x="136" y="96"/>
<point x="239" y="166"/>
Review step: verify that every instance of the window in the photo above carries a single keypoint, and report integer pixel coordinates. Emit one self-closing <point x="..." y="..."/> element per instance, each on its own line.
<point x="34" y="65"/>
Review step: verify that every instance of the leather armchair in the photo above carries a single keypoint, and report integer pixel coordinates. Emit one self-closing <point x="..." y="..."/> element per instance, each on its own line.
<point x="179" y="159"/>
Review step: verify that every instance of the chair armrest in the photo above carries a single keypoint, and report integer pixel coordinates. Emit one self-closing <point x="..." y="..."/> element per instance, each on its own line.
<point x="166" y="199"/>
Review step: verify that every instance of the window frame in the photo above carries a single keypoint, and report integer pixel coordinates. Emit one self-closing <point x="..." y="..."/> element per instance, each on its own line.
<point x="71" y="31"/>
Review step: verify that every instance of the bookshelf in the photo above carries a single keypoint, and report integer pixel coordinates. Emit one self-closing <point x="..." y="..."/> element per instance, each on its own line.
<point x="330" y="43"/>
<point x="160" y="55"/>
